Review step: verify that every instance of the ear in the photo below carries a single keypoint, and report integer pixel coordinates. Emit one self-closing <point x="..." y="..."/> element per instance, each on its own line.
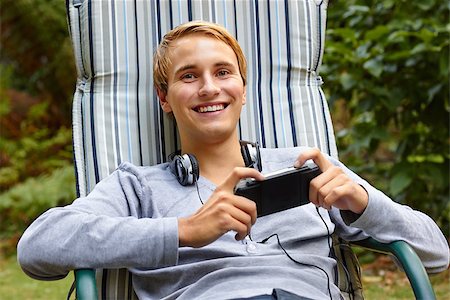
<point x="163" y="101"/>
<point x="244" y="96"/>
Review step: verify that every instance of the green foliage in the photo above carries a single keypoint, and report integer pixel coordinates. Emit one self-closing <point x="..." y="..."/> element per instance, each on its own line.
<point x="386" y="68"/>
<point x="37" y="171"/>
<point x="34" y="149"/>
<point x="35" y="135"/>
<point x="37" y="50"/>
<point x="20" y="205"/>
<point x="37" y="78"/>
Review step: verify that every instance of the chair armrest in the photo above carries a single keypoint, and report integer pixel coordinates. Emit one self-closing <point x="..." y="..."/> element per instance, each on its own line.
<point x="86" y="286"/>
<point x="409" y="261"/>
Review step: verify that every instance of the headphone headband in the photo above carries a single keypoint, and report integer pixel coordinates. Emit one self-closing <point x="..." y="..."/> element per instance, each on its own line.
<point x="186" y="169"/>
<point x="251" y="155"/>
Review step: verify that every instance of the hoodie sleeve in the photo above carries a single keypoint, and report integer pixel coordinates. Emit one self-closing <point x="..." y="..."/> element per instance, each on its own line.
<point x="102" y="230"/>
<point x="388" y="221"/>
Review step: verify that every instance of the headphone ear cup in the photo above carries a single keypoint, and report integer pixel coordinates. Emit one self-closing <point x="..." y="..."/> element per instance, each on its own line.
<point x="177" y="166"/>
<point x="195" y="169"/>
<point x="185" y="168"/>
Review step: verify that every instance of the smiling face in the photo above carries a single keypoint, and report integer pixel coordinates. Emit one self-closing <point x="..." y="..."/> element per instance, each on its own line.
<point x="205" y="90"/>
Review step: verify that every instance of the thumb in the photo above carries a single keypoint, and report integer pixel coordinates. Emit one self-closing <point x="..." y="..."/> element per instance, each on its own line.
<point x="237" y="174"/>
<point x="317" y="156"/>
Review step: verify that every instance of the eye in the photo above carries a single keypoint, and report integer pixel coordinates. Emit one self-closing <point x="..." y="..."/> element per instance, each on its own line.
<point x="223" y="72"/>
<point x="187" y="77"/>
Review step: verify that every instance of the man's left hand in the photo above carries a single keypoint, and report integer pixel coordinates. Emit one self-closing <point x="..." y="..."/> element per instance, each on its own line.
<point x="333" y="187"/>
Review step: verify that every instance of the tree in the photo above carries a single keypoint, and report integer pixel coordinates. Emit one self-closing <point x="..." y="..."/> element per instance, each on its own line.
<point x="386" y="68"/>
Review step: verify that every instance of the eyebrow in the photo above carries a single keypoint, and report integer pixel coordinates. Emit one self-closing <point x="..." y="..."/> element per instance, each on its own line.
<point x="193" y="66"/>
<point x="184" y="68"/>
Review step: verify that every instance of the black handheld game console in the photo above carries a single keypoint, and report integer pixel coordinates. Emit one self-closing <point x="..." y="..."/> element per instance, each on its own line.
<point x="284" y="189"/>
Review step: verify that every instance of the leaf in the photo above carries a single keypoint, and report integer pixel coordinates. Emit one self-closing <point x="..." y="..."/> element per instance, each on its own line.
<point x="435" y="158"/>
<point x="38" y="110"/>
<point x="416" y="158"/>
<point x="347" y="81"/>
<point x="363" y="50"/>
<point x="355" y="10"/>
<point x="374" y="66"/>
<point x="399" y="182"/>
<point x="431" y="158"/>
<point x="346" y="34"/>
<point x="398" y="36"/>
<point x="419" y="48"/>
<point x="425" y="4"/>
<point x="5" y="107"/>
<point x="426" y="35"/>
<point x="377" y="33"/>
<point x="433" y="91"/>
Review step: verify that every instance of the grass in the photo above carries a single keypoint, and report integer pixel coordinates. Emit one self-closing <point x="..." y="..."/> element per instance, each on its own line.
<point x="383" y="279"/>
<point x="14" y="284"/>
<point x="380" y="280"/>
<point x="395" y="285"/>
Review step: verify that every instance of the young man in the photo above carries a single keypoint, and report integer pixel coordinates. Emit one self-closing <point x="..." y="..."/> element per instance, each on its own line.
<point x="193" y="242"/>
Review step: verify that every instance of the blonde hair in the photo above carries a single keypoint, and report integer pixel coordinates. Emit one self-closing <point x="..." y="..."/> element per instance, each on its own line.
<point x="161" y="60"/>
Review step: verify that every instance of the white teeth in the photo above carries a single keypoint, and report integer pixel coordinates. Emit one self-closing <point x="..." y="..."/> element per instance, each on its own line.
<point x="211" y="108"/>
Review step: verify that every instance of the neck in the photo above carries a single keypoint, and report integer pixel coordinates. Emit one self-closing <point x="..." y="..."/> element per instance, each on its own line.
<point x="217" y="160"/>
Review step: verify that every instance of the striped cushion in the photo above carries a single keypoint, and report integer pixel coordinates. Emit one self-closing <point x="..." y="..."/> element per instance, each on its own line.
<point x="116" y="115"/>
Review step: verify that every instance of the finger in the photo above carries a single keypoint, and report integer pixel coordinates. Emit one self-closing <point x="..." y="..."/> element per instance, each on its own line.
<point x="237" y="174"/>
<point x="348" y="196"/>
<point x="331" y="198"/>
<point x="333" y="183"/>
<point x="337" y="194"/>
<point x="242" y="223"/>
<point x="321" y="185"/>
<point x="319" y="159"/>
<point x="248" y="206"/>
<point x="225" y="200"/>
<point x="231" y="218"/>
<point x="239" y="208"/>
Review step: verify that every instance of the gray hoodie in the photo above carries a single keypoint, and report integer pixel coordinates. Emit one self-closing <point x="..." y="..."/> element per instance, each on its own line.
<point x="130" y="221"/>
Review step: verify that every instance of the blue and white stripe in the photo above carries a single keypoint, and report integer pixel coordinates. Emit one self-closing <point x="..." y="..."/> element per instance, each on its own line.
<point x="116" y="116"/>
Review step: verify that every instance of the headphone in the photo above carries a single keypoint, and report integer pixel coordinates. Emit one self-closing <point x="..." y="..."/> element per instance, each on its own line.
<point x="186" y="170"/>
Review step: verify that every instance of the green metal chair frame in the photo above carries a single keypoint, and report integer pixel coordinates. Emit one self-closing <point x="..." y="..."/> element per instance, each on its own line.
<point x="86" y="288"/>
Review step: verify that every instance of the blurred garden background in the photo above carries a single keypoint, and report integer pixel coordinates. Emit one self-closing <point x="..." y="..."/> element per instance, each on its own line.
<point x="386" y="73"/>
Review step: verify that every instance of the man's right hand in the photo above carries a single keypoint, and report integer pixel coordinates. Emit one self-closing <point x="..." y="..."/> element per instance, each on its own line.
<point x="223" y="212"/>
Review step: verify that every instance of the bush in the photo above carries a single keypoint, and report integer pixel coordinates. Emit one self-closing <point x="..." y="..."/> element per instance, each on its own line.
<point x="28" y="147"/>
<point x="386" y="68"/>
<point x="20" y="205"/>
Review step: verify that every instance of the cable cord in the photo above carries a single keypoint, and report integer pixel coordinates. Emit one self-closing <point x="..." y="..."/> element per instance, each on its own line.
<point x="330" y="243"/>
<point x="329" y="239"/>
<point x="198" y="191"/>
<point x="71" y="290"/>
<point x="298" y="262"/>
<point x="284" y="250"/>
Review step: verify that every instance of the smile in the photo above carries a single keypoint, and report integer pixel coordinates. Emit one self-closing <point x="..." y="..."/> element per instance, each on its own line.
<point x="210" y="108"/>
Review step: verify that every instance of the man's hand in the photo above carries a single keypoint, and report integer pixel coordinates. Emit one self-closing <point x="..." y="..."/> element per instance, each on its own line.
<point x="223" y="212"/>
<point x="333" y="187"/>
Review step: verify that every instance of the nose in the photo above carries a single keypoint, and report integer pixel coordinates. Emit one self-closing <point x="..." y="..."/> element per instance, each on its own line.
<point x="209" y="87"/>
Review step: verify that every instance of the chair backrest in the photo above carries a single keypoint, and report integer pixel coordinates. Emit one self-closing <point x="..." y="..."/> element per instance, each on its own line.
<point x="116" y="116"/>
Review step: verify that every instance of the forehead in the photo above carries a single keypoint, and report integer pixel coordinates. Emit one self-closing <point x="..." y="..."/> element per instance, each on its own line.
<point x="200" y="47"/>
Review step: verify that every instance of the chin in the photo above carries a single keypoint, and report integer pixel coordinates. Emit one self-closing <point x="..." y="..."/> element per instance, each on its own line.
<point x="211" y="135"/>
